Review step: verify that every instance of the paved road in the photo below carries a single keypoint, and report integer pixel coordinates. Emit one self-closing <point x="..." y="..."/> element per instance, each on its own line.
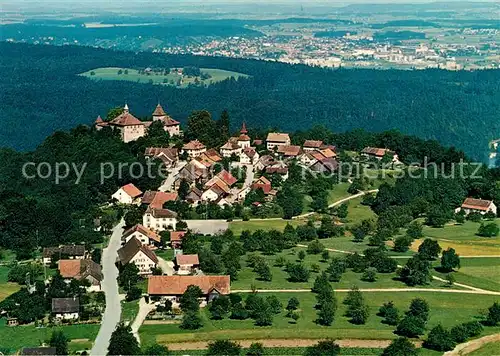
<point x="167" y="184"/>
<point x="338" y="202"/>
<point x="113" y="310"/>
<point x="207" y="226"/>
<point x="249" y="177"/>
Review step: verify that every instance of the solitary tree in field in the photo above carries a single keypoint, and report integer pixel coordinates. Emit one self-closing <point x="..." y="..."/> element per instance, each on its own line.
<point x="450" y="260"/>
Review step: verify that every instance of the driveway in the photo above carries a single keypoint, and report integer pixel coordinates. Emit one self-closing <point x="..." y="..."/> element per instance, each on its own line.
<point x="113" y="310"/>
<point x="144" y="310"/>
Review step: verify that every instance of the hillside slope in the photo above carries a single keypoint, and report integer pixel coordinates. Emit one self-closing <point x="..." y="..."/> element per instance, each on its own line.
<point x="41" y="92"/>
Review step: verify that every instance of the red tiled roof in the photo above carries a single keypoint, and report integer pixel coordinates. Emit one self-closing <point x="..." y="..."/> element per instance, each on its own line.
<point x="243" y="130"/>
<point x="374" y="151"/>
<point x="244" y="137"/>
<point x="193" y="145"/>
<point x="143" y="230"/>
<point x="177" y="236"/>
<point x="161" y="198"/>
<point x="231" y="144"/>
<point x="177" y="285"/>
<point x="187" y="260"/>
<point x="328" y="153"/>
<point x="69" y="268"/>
<point x="161" y="213"/>
<point x="125" y="119"/>
<point x="289" y="150"/>
<point x="250" y="152"/>
<point x="278" y="137"/>
<point x="213" y="155"/>
<point x="476" y="204"/>
<point x="99" y="120"/>
<point x="159" y="111"/>
<point x="313" y="144"/>
<point x="227" y="177"/>
<point x="131" y="190"/>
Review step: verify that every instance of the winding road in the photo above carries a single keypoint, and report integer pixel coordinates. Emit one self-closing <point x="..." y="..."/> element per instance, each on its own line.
<point x="113" y="310"/>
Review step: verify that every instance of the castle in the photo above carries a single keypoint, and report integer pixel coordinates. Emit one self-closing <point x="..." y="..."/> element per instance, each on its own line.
<point x="131" y="128"/>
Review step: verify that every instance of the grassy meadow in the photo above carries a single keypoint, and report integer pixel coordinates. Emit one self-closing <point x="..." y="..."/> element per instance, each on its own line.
<point x="133" y="75"/>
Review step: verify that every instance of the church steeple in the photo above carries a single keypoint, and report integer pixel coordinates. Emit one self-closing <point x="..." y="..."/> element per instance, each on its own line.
<point x="243" y="130"/>
<point x="125" y="108"/>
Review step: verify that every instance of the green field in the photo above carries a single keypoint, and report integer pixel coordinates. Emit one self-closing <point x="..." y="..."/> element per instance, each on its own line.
<point x="490" y="349"/>
<point x="129" y="310"/>
<point x="30" y="336"/>
<point x="171" y="79"/>
<point x="443" y="307"/>
<point x="358" y="212"/>
<point x="6" y="288"/>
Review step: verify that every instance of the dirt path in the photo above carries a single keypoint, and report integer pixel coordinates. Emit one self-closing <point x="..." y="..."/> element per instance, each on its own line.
<point x="473" y="345"/>
<point x="434" y="290"/>
<point x="202" y="345"/>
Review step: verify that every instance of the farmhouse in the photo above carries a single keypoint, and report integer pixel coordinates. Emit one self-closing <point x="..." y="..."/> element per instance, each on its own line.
<point x="140" y="255"/>
<point x="176" y="238"/>
<point x="82" y="270"/>
<point x="311" y="145"/>
<point x="379" y="153"/>
<point x="156" y="199"/>
<point x="262" y="183"/>
<point x="230" y="148"/>
<point x="186" y="264"/>
<point x="194" y="148"/>
<point x="159" y="219"/>
<point x="146" y="236"/>
<point x="477" y="205"/>
<point x="66" y="308"/>
<point x="194" y="196"/>
<point x="276" y="139"/>
<point x="169" y="155"/>
<point x="63" y="252"/>
<point x="130" y="127"/>
<point x="289" y="151"/>
<point x="127" y="194"/>
<point x="249" y="156"/>
<point x="325" y="165"/>
<point x="169" y="125"/>
<point x="172" y="287"/>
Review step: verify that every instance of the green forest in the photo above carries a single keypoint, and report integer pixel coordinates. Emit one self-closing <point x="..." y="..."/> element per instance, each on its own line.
<point x="41" y="93"/>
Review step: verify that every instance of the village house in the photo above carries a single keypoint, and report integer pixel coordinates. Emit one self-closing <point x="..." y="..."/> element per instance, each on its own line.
<point x="219" y="186"/>
<point x="130" y="127"/>
<point x="194" y="148"/>
<point x="66" y="308"/>
<point x="172" y="287"/>
<point x="82" y="270"/>
<point x="127" y="194"/>
<point x="264" y="161"/>
<point x="169" y="155"/>
<point x="169" y="125"/>
<point x="63" y="252"/>
<point x="194" y="196"/>
<point x="276" y="139"/>
<point x="186" y="264"/>
<point x="478" y="206"/>
<point x="209" y="157"/>
<point x="159" y="219"/>
<point x="312" y="145"/>
<point x="249" y="156"/>
<point x="231" y="147"/>
<point x="289" y="151"/>
<point x="146" y="236"/>
<point x="192" y="173"/>
<point x="307" y="158"/>
<point x="262" y="183"/>
<point x="379" y="153"/>
<point x="140" y="255"/>
<point x="325" y="165"/>
<point x="156" y="199"/>
<point x="328" y="153"/>
<point x="176" y="239"/>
